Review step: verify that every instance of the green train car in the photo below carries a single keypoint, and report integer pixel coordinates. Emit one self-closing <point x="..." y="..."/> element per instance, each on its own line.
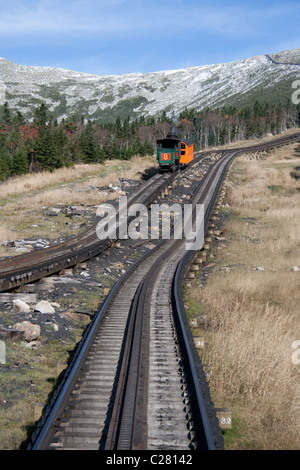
<point x="173" y="153"/>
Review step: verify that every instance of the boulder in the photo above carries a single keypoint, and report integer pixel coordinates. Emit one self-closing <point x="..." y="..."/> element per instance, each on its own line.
<point x="31" y="331"/>
<point x="21" y="306"/>
<point x="44" y="307"/>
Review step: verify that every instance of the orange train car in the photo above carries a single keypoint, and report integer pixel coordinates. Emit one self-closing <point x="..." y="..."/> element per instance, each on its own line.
<point x="187" y="152"/>
<point x="173" y="153"/>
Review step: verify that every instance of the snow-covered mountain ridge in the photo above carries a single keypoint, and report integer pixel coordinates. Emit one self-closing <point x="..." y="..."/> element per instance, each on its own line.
<point x="67" y="93"/>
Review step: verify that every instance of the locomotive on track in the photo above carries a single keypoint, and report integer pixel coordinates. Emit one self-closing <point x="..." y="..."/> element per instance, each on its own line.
<point x="173" y="153"/>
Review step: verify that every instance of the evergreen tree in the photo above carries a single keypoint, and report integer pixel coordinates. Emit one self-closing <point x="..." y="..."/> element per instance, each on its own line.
<point x="118" y="127"/>
<point x="41" y="115"/>
<point x="5" y="159"/>
<point x="6" y="114"/>
<point x="47" y="152"/>
<point x="90" y="148"/>
<point x="20" y="162"/>
<point x="19" y="119"/>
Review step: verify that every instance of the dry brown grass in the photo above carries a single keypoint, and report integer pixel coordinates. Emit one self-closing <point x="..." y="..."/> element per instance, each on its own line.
<point x="250" y="318"/>
<point x="109" y="171"/>
<point x="6" y="234"/>
<point x="22" y="199"/>
<point x="250" y="367"/>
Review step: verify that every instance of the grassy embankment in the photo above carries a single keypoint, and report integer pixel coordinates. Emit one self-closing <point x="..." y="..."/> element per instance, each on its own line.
<point x="249" y="317"/>
<point x="22" y="199"/>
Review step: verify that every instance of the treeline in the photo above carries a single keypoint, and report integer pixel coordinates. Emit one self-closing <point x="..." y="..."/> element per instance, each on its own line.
<point x="39" y="143"/>
<point x="43" y="143"/>
<point x="229" y="124"/>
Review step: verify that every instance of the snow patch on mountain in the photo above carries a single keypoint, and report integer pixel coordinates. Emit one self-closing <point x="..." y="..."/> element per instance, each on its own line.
<point x="67" y="92"/>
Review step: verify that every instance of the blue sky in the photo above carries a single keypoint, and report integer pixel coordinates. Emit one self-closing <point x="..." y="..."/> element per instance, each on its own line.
<point x="109" y="37"/>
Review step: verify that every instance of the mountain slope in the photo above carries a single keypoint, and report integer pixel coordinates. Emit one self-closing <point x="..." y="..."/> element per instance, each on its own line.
<point x="265" y="77"/>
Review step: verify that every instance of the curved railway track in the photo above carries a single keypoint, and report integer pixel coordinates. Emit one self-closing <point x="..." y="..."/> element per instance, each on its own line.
<point x="136" y="381"/>
<point x="30" y="267"/>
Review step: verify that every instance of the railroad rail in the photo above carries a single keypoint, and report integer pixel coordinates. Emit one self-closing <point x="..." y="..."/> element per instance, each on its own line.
<point x="136" y="381"/>
<point x="30" y="267"/>
<point x="33" y="266"/>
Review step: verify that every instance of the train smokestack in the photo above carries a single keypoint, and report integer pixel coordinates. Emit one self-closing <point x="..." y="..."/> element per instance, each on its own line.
<point x="173" y="134"/>
<point x="174" y="121"/>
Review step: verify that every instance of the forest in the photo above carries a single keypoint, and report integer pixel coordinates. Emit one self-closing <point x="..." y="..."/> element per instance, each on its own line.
<point x="41" y="143"/>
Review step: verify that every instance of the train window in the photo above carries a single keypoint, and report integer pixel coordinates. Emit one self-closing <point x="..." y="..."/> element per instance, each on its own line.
<point x="182" y="145"/>
<point x="182" y="152"/>
<point x="171" y="145"/>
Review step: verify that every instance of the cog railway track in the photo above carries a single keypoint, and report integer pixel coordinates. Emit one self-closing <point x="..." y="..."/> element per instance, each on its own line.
<point x="135" y="381"/>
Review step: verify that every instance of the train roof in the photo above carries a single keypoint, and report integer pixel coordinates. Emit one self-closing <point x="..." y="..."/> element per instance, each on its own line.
<point x="187" y="141"/>
<point x="176" y="139"/>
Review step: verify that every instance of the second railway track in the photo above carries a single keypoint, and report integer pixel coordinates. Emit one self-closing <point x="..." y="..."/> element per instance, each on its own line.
<point x="119" y="392"/>
<point x="136" y="381"/>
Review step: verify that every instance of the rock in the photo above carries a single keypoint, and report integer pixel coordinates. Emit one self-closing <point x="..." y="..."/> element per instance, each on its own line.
<point x="66" y="272"/>
<point x="44" y="307"/>
<point x="47" y="283"/>
<point x="22" y="250"/>
<point x="31" y="331"/>
<point x="32" y="344"/>
<point x="295" y="269"/>
<point x="29" y="247"/>
<point x="21" y="306"/>
<point x="226" y="269"/>
<point x="260" y="268"/>
<point x="84" y="274"/>
<point x="78" y="316"/>
<point x="52" y="212"/>
<point x="81" y="266"/>
<point x="72" y="211"/>
<point x="55" y="304"/>
<point x="114" y="188"/>
<point x="29" y="290"/>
